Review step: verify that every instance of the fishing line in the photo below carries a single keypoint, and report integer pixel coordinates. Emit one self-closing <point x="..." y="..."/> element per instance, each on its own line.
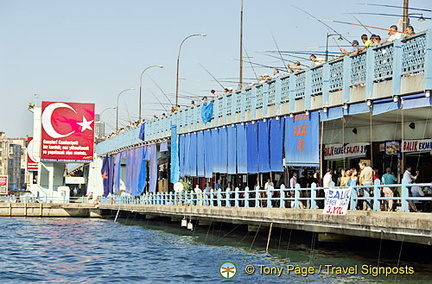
<point x="253" y="69"/>
<point x="289" y="242"/>
<point x="158" y="101"/>
<point x="361" y="24"/>
<point x="256" y="234"/>
<point x="228" y="233"/>
<point x="392" y="6"/>
<point x="208" y="72"/>
<point x="161" y="90"/>
<point x="281" y="57"/>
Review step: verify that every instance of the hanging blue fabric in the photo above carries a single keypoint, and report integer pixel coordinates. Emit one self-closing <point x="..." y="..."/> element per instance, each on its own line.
<point x="356" y="109"/>
<point x="142" y="178"/>
<point x="216" y="149"/>
<point x="208" y="154"/>
<point x="241" y="149"/>
<point x="263" y="147"/>
<point x="175" y="164"/>
<point x="142" y="132"/>
<point x="223" y="140"/>
<point x="111" y="174"/>
<point x="207" y="112"/>
<point x="252" y="148"/>
<point x="302" y="140"/>
<point x="151" y="155"/>
<point x="384" y="105"/>
<point x="105" y="173"/>
<point x="232" y="142"/>
<point x="416" y="101"/>
<point x="187" y="158"/>
<point x="331" y="114"/>
<point x="276" y="144"/>
<point x="200" y="152"/>
<point x="163" y="146"/>
<point x="117" y="171"/>
<point x="192" y="155"/>
<point x="129" y="171"/>
<point x="182" y="143"/>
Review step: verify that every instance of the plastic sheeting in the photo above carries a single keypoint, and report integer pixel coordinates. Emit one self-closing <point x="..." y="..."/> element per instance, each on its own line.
<point x="331" y="114"/>
<point x="357" y="109"/>
<point x="142" y="177"/>
<point x="133" y="170"/>
<point x="208" y="154"/>
<point x="276" y="144"/>
<point x="142" y="132"/>
<point x="263" y="147"/>
<point x="182" y="143"/>
<point x="207" y="112"/>
<point x="416" y="101"/>
<point x="241" y="140"/>
<point x="175" y="166"/>
<point x="232" y="148"/>
<point x="302" y="140"/>
<point x="215" y="150"/>
<point x="383" y="106"/>
<point x="252" y="148"/>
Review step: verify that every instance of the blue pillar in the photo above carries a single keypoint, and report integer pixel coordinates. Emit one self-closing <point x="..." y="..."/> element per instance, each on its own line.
<point x="265" y="99"/>
<point x="377" y="195"/>
<point x="326" y="84"/>
<point x="428" y="61"/>
<point x="278" y="95"/>
<point x="397" y="68"/>
<point x="346" y="80"/>
<point x="292" y="90"/>
<point x="405" y="195"/>
<point x="308" y="90"/>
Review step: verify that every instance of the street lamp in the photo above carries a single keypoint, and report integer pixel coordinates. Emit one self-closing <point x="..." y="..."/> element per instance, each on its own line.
<point x="130" y="89"/>
<point x="329" y="35"/>
<point x="140" y="96"/>
<point x="178" y="61"/>
<point x="100" y="116"/>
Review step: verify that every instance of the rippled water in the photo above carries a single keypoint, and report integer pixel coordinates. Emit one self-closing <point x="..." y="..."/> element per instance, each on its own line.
<point x="100" y="251"/>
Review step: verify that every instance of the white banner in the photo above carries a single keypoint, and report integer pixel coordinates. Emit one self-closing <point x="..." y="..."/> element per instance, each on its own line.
<point x="423" y="145"/>
<point x="336" y="201"/>
<point x="338" y="152"/>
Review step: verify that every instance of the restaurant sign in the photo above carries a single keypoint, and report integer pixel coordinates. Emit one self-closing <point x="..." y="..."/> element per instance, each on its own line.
<point x="423" y="145"/>
<point x="351" y="150"/>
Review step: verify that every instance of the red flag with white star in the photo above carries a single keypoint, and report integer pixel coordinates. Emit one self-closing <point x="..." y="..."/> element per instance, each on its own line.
<point x="67" y="131"/>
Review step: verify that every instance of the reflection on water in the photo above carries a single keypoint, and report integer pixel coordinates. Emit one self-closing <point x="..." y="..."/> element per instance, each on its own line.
<point x="100" y="251"/>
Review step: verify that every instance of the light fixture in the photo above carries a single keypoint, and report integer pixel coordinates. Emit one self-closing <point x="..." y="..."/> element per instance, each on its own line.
<point x="427" y="93"/>
<point x="369" y="102"/>
<point x="253" y="122"/>
<point x="412" y="125"/>
<point x="345" y="106"/>
<point x="395" y="98"/>
<point x="277" y="117"/>
<point x="291" y="115"/>
<point x="325" y="109"/>
<point x="354" y="130"/>
<point x="264" y="120"/>
<point x="307" y="112"/>
<point x="340" y="38"/>
<point x="421" y="19"/>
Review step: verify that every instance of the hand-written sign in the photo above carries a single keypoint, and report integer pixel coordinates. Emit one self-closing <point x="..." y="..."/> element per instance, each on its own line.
<point x="336" y="201"/>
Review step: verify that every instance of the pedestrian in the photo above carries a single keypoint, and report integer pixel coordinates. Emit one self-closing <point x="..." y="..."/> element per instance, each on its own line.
<point x="366" y="179"/>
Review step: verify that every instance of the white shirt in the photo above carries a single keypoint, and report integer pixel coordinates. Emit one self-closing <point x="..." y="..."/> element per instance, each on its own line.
<point x="293" y="182"/>
<point x="410" y="178"/>
<point x="327" y="179"/>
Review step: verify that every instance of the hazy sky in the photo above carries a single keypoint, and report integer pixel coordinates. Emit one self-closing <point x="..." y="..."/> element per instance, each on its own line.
<point x="89" y="51"/>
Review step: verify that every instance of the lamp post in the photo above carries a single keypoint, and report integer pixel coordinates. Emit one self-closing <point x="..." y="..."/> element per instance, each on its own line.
<point x="118" y="97"/>
<point x="178" y="61"/>
<point x="100" y="117"/>
<point x="326" y="51"/>
<point x="140" y="95"/>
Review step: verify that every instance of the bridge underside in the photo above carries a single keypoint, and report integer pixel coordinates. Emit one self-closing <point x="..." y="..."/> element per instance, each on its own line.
<point x="395" y="226"/>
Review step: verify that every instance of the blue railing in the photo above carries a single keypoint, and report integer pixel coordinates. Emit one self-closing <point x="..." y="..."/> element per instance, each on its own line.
<point x="297" y="198"/>
<point x="45" y="199"/>
<point x="389" y="61"/>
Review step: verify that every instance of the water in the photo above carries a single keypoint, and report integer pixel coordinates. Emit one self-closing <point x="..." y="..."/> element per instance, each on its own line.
<point x="101" y="251"/>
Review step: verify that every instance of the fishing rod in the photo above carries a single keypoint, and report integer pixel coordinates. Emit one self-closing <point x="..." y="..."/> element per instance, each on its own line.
<point x="274" y="56"/>
<point x="392" y="6"/>
<point x="159" y="101"/>
<point x="319" y="20"/>
<point x="160" y="90"/>
<point x="299" y="57"/>
<point x="354" y="24"/>
<point x="253" y="69"/>
<point x="210" y="74"/>
<point x="392" y="15"/>
<point x="362" y="24"/>
<point x="262" y="65"/>
<point x="281" y="57"/>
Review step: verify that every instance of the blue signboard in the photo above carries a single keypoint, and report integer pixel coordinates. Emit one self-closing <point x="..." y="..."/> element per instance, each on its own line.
<point x="302" y="140"/>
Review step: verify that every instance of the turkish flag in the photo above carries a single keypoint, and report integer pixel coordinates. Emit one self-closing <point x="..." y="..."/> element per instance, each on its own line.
<point x="67" y="131"/>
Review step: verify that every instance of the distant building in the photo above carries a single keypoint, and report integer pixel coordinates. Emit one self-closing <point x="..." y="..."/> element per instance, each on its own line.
<point x="12" y="160"/>
<point x="99" y="127"/>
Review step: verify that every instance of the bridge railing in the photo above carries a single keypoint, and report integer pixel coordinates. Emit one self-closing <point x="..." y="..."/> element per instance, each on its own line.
<point x="45" y="199"/>
<point x="297" y="198"/>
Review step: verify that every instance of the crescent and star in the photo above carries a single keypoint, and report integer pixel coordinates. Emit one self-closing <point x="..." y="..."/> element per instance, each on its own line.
<point x="48" y="127"/>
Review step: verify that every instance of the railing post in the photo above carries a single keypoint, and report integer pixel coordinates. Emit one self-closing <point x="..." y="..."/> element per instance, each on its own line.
<point x="353" y="199"/>
<point x="397" y="68"/>
<point x="313" y="196"/>
<point x="265" y="99"/>
<point x="227" y="198"/>
<point x="246" y="197"/>
<point x="252" y="113"/>
<point x="428" y="61"/>
<point x="346" y="80"/>
<point x="236" y="197"/>
<point x="257" y="197"/>
<point x="269" y="195"/>
<point x="292" y="92"/>
<point x="282" y="196"/>
<point x="297" y="196"/>
<point x="308" y="89"/>
<point x="219" y="197"/>
<point x="405" y="195"/>
<point x="370" y="72"/>
<point x="377" y="195"/>
<point x="278" y="95"/>
<point x="326" y="84"/>
<point x="211" y="198"/>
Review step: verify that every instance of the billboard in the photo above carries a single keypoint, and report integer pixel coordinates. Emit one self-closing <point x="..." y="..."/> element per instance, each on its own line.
<point x="3" y="184"/>
<point x="32" y="165"/>
<point x="67" y="131"/>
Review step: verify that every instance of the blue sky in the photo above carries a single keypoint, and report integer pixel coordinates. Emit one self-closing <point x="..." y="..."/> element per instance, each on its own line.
<point x="89" y="51"/>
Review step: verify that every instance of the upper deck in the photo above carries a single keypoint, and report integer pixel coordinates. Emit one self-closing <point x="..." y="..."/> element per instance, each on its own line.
<point x="392" y="69"/>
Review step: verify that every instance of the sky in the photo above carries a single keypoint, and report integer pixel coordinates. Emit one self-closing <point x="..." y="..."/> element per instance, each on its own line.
<point x="90" y="51"/>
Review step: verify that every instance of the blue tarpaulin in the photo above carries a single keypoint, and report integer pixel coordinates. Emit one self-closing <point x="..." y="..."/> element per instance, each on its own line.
<point x="192" y="155"/>
<point x="263" y="147"/>
<point x="142" y="177"/>
<point x="163" y="146"/>
<point x="416" y="101"/>
<point x="331" y="114"/>
<point x="252" y="148"/>
<point x="133" y="171"/>
<point x="276" y="144"/>
<point x="241" y="149"/>
<point x="117" y="172"/>
<point x="223" y="140"/>
<point x="215" y="146"/>
<point x="232" y="148"/>
<point x="384" y="105"/>
<point x="142" y="132"/>
<point x="357" y="109"/>
<point x="151" y="155"/>
<point x="302" y="140"/>
<point x="105" y="171"/>
<point x="182" y="142"/>
<point x="200" y="154"/>
<point x="207" y="112"/>
<point x="208" y="152"/>
<point x="175" y="171"/>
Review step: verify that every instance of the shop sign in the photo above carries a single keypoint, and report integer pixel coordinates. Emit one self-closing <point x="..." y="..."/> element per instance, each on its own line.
<point x="423" y="145"/>
<point x="392" y="148"/>
<point x="3" y="184"/>
<point x="337" y="151"/>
